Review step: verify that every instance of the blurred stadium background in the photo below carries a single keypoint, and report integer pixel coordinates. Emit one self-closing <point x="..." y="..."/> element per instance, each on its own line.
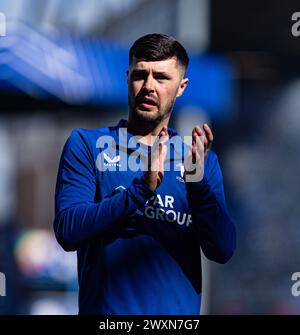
<point x="62" y="66"/>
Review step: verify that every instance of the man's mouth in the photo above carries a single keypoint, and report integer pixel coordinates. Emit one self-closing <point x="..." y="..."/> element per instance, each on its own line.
<point x="147" y="103"/>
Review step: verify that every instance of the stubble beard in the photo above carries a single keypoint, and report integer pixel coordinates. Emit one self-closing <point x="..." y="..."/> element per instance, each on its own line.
<point x="150" y="117"/>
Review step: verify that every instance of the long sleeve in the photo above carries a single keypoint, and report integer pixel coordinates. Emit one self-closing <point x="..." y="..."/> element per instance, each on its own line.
<point x="77" y="216"/>
<point x="211" y="222"/>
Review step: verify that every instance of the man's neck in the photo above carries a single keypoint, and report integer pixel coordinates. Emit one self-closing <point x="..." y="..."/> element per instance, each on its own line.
<point x="146" y="130"/>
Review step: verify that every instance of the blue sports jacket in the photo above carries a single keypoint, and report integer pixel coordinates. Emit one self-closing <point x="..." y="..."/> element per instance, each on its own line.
<point x="138" y="251"/>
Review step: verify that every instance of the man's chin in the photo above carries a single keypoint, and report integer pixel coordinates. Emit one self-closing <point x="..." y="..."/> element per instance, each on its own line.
<point x="148" y="115"/>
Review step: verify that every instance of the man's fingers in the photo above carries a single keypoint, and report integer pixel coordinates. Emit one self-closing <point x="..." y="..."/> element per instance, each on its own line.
<point x="209" y="135"/>
<point x="198" y="136"/>
<point x="197" y="131"/>
<point x="159" y="150"/>
<point x="208" y="132"/>
<point x="162" y="156"/>
<point x="164" y="130"/>
<point x="163" y="138"/>
<point x="200" y="144"/>
<point x="194" y="161"/>
<point x="164" y="135"/>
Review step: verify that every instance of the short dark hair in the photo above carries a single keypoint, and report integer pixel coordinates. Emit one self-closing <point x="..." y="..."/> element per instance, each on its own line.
<point x="156" y="47"/>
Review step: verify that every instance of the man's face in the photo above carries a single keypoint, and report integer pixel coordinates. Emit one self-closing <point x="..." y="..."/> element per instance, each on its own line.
<point x="153" y="87"/>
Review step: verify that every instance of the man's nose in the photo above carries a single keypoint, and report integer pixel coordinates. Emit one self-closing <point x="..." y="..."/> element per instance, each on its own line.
<point x="149" y="84"/>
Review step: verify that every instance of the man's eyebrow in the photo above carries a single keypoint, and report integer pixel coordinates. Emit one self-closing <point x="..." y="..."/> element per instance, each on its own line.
<point x="162" y="73"/>
<point x="138" y="70"/>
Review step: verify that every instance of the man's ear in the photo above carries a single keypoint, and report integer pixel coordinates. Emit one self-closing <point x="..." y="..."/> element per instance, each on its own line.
<point x="182" y="86"/>
<point x="127" y="73"/>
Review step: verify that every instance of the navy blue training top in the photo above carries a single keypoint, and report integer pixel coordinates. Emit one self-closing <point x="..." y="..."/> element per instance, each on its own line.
<point x="138" y="251"/>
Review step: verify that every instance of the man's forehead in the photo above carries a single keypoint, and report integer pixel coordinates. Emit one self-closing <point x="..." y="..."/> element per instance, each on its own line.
<point x="161" y="65"/>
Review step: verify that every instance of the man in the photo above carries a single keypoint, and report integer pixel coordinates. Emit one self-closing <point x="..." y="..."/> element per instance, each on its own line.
<point x="138" y="233"/>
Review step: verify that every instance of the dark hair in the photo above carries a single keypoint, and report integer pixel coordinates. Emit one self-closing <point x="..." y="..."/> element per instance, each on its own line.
<point x="156" y="47"/>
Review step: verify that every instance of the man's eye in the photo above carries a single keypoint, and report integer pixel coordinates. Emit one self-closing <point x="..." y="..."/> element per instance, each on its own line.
<point x="161" y="77"/>
<point x="137" y="76"/>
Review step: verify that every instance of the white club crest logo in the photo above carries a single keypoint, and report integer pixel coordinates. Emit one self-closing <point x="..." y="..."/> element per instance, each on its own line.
<point x="181" y="172"/>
